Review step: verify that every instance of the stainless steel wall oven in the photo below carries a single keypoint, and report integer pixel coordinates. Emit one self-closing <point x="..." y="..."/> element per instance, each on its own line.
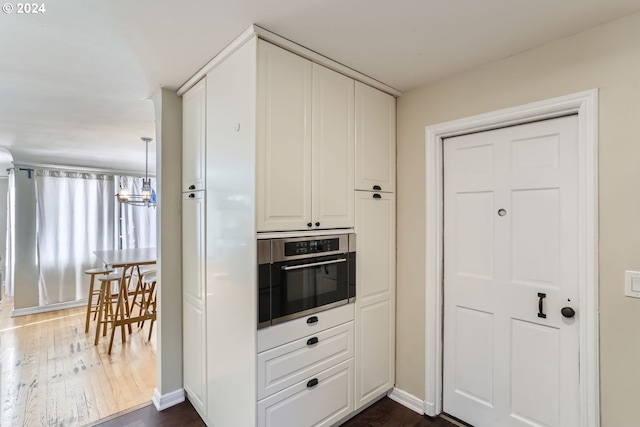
<point x="304" y="275"/>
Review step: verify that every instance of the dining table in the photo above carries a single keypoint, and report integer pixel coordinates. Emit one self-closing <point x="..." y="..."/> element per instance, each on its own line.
<point x="128" y="260"/>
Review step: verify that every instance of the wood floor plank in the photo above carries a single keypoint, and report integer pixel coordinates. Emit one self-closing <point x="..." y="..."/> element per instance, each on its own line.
<point x="53" y="375"/>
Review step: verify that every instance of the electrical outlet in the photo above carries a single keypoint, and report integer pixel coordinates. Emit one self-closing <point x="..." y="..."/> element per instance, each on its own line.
<point x="632" y="284"/>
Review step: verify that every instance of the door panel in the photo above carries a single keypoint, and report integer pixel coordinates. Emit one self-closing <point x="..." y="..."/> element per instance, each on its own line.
<point x="474" y="355"/>
<point x="535" y="237"/>
<point x="536" y="369"/>
<point x="510" y="265"/>
<point x="474" y="242"/>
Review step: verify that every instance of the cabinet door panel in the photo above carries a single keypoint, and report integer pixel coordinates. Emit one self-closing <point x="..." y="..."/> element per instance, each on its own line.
<point x="375" y="228"/>
<point x="322" y="405"/>
<point x="291" y="363"/>
<point x="333" y="149"/>
<point x="375" y="302"/>
<point x="375" y="365"/>
<point x="375" y="139"/>
<point x="193" y="137"/>
<point x="284" y="140"/>
<point x="193" y="233"/>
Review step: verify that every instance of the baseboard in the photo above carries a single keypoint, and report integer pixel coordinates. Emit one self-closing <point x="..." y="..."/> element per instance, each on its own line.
<point x="168" y="400"/>
<point x="430" y="409"/>
<point x="49" y="307"/>
<point x="407" y="400"/>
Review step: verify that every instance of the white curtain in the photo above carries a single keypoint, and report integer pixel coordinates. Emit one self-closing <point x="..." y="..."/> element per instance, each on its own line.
<point x="75" y="216"/>
<point x="138" y="223"/>
<point x="11" y="209"/>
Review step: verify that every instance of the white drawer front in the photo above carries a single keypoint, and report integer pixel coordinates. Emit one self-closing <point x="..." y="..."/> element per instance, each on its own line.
<point x="291" y="363"/>
<point x="292" y="330"/>
<point x="319" y="406"/>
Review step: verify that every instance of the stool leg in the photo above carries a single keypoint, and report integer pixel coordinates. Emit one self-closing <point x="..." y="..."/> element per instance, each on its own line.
<point x="89" y="301"/>
<point x="101" y="308"/>
<point x="153" y="319"/>
<point x="95" y="313"/>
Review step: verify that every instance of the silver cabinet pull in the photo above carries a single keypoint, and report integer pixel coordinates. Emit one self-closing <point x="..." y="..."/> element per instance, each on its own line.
<point x="313" y="264"/>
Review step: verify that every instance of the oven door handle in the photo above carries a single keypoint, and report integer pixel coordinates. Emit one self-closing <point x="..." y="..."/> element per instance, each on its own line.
<point x="313" y="264"/>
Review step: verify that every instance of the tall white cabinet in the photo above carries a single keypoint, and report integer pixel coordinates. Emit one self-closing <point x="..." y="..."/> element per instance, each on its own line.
<point x="273" y="142"/>
<point x="376" y="243"/>
<point x="193" y="245"/>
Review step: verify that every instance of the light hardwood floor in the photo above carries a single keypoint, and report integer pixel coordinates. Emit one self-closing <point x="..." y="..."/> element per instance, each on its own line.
<point x="53" y="375"/>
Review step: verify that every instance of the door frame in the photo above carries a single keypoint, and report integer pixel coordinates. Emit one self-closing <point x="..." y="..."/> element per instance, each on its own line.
<point x="585" y="105"/>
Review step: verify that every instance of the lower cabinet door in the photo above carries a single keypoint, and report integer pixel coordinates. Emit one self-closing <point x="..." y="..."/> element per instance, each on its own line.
<point x="291" y="363"/>
<point x="319" y="401"/>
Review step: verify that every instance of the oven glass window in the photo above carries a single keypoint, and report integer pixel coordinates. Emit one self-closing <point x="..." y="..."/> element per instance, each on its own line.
<point x="306" y="284"/>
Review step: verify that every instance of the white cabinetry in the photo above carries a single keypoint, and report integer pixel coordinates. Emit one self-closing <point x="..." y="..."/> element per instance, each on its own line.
<point x="193" y="137"/>
<point x="193" y="246"/>
<point x="375" y="139"/>
<point x="270" y="145"/>
<point x="305" y="370"/>
<point x="320" y="402"/>
<point x="193" y="299"/>
<point x="305" y="144"/>
<point x="375" y="296"/>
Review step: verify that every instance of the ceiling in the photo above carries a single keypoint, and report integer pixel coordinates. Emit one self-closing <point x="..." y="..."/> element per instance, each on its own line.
<point x="75" y="81"/>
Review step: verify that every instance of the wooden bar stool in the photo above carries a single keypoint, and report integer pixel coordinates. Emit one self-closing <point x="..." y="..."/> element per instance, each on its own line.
<point x="150" y="282"/>
<point x="140" y="291"/>
<point x="109" y="291"/>
<point x="94" y="291"/>
<point x="143" y="292"/>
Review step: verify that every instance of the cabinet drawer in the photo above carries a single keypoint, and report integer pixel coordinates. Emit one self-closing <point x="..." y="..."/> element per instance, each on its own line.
<point x="304" y="404"/>
<point x="291" y="363"/>
<point x="292" y="330"/>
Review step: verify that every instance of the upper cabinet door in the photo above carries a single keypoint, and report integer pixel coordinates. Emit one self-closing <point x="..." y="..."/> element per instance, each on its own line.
<point x="284" y="140"/>
<point x="375" y="140"/>
<point x="333" y="149"/>
<point x="193" y="137"/>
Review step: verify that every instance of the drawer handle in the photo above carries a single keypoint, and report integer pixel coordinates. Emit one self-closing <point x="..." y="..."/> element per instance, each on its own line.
<point x="312" y="383"/>
<point x="312" y="341"/>
<point x="312" y="319"/>
<point x="377" y="196"/>
<point x="191" y="195"/>
<point x="377" y="188"/>
<point x="192" y="187"/>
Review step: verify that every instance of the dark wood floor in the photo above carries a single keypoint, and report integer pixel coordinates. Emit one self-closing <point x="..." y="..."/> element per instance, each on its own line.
<point x="387" y="413"/>
<point x="384" y="413"/>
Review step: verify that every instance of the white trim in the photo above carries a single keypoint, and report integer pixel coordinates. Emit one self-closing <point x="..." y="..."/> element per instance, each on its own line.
<point x="407" y="400"/>
<point x="256" y="31"/>
<point x="164" y="401"/>
<point x="49" y="307"/>
<point x="236" y="44"/>
<point x="585" y="104"/>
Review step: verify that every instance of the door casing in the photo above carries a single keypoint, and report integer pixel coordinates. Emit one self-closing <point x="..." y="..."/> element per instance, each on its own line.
<point x="585" y="105"/>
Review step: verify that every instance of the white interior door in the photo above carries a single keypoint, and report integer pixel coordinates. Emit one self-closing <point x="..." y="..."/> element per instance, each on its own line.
<point x="510" y="267"/>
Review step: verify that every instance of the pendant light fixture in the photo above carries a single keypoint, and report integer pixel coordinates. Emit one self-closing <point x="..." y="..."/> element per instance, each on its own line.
<point x="148" y="195"/>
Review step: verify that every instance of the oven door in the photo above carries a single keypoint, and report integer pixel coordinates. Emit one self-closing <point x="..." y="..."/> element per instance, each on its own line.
<point x="302" y="287"/>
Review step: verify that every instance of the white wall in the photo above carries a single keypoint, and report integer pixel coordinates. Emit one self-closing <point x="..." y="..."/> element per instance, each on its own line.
<point x="168" y="107"/>
<point x="606" y="57"/>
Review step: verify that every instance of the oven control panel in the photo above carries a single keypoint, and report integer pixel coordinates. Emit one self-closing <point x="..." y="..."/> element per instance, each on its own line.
<point x="306" y="247"/>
